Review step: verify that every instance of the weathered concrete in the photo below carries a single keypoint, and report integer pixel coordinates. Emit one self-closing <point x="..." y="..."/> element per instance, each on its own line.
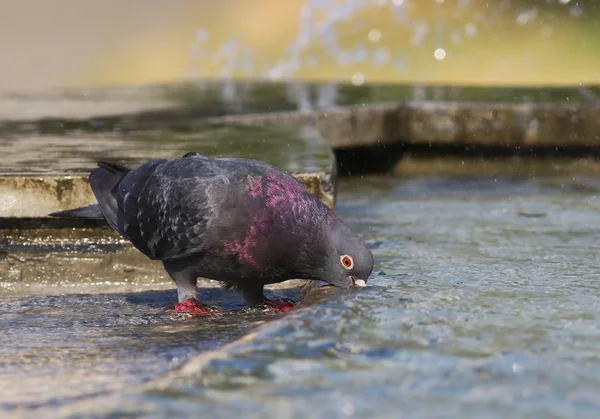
<point x="565" y="170"/>
<point x="361" y="125"/>
<point x="473" y="124"/>
<point x="34" y="196"/>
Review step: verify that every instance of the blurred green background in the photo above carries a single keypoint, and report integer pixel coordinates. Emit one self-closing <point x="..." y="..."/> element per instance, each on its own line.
<point x="67" y="43"/>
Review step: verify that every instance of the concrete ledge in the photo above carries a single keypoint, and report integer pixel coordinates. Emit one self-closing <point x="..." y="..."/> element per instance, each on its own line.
<point x="444" y="123"/>
<point x="480" y="124"/>
<point x="28" y="196"/>
<point x="360" y="126"/>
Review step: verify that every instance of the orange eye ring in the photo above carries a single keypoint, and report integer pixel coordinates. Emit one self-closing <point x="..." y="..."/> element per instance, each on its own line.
<point x="347" y="261"/>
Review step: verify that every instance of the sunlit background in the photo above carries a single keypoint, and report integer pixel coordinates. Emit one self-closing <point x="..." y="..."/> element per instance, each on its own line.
<point x="67" y="43"/>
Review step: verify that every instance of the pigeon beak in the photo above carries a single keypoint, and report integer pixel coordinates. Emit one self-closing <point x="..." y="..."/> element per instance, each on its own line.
<point x="358" y="283"/>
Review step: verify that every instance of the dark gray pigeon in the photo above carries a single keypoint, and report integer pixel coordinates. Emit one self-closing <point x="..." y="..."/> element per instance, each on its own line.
<point x="242" y="222"/>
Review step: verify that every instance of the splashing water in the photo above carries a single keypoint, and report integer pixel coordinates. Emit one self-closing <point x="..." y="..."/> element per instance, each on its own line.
<point x="360" y="36"/>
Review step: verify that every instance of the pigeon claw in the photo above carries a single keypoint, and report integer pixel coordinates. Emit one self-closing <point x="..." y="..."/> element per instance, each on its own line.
<point x="192" y="307"/>
<point x="279" y="305"/>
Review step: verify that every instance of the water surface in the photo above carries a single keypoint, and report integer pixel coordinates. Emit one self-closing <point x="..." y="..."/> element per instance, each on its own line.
<point x="291" y="148"/>
<point x="484" y="303"/>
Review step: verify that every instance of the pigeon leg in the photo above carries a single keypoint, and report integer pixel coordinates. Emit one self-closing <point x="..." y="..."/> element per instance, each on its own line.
<point x="185" y="279"/>
<point x="256" y="298"/>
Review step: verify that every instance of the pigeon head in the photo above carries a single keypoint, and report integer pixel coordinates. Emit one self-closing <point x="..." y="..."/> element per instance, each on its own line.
<point x="350" y="261"/>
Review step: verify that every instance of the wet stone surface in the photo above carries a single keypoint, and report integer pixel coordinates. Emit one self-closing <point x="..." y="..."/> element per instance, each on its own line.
<point x="475" y="309"/>
<point x="58" y="349"/>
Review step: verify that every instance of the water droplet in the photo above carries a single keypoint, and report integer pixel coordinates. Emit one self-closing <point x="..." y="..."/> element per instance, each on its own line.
<point x="400" y="64"/>
<point x="576" y="11"/>
<point x="439" y="54"/>
<point x="358" y="78"/>
<point x="202" y="35"/>
<point x="455" y="37"/>
<point x="546" y="31"/>
<point x="420" y="30"/>
<point x="470" y="29"/>
<point x="348" y="408"/>
<point x="526" y="16"/>
<point x="374" y="35"/>
<point x="380" y="57"/>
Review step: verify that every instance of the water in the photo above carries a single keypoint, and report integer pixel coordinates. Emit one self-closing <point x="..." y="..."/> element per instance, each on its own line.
<point x="64" y="348"/>
<point x="292" y="148"/>
<point x="484" y="303"/>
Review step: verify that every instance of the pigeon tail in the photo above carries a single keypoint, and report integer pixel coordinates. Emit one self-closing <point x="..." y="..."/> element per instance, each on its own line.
<point x="102" y="180"/>
<point x="89" y="212"/>
<point x="113" y="167"/>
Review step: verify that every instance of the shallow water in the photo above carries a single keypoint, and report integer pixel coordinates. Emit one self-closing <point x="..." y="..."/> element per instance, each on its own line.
<point x="484" y="303"/>
<point x="59" y="349"/>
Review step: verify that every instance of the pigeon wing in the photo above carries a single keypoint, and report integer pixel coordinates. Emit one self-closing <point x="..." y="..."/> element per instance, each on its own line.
<point x="165" y="209"/>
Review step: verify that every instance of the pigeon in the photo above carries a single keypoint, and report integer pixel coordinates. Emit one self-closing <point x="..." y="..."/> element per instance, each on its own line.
<point x="242" y="222"/>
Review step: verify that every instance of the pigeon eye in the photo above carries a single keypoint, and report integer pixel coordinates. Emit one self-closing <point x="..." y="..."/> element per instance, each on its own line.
<point x="347" y="262"/>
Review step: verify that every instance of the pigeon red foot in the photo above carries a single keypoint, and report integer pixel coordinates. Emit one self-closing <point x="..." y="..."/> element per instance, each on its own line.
<point x="283" y="304"/>
<point x="194" y="308"/>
